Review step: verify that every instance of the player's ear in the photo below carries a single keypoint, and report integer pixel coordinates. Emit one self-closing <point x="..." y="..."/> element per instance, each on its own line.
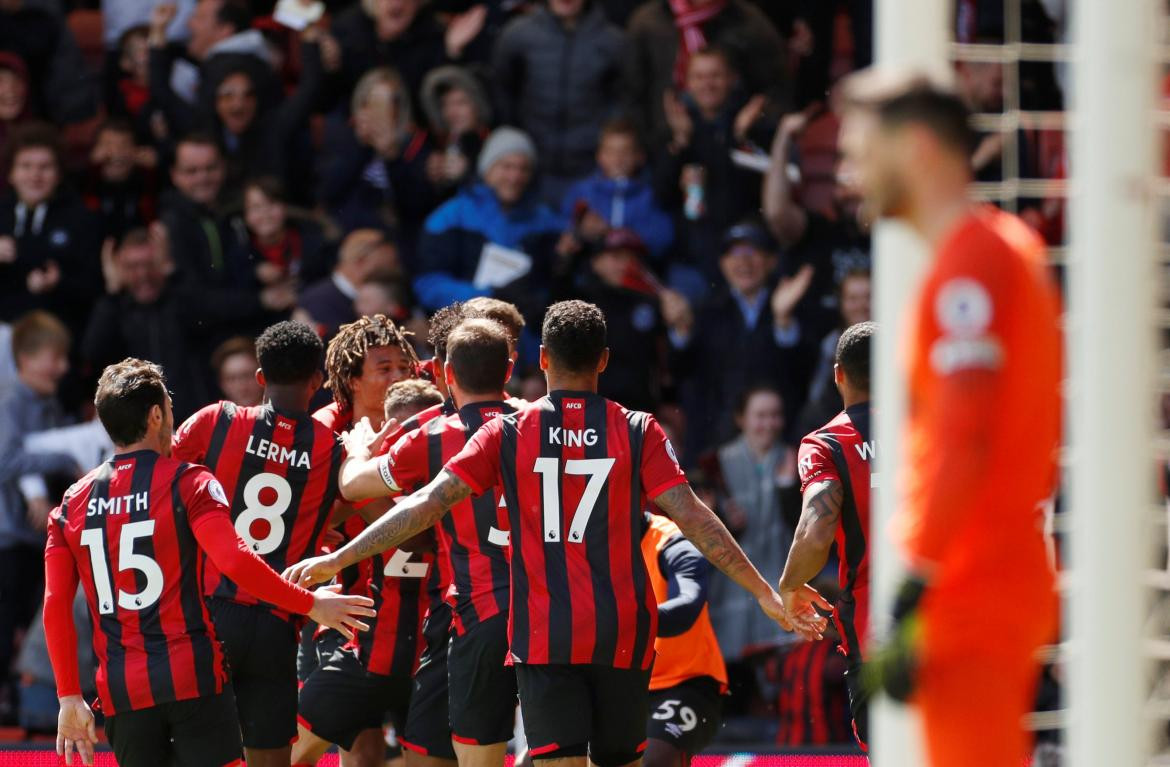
<point x="260" y="378"/>
<point x="449" y="376"/>
<point x="603" y="363"/>
<point x="543" y="358"/>
<point x="511" y="367"/>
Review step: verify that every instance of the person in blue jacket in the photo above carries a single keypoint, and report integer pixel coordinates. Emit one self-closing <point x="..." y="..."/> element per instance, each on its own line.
<point x="494" y="238"/>
<point x="619" y="194"/>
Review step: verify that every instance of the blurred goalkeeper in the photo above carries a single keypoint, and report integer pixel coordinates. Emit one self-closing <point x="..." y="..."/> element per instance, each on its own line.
<point x="984" y="368"/>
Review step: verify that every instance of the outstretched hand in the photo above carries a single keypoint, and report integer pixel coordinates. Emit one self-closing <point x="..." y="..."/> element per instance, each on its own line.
<point x="772" y="606"/>
<point x="310" y="572"/>
<point x="800" y="607"/>
<point x="342" y="612"/>
<point x="362" y="440"/>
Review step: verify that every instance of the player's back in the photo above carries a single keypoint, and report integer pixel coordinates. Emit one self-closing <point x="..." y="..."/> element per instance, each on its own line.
<point x="986" y="360"/>
<point x="128" y="527"/>
<point x="574" y="468"/>
<point x="279" y="469"/>
<point x="843" y="450"/>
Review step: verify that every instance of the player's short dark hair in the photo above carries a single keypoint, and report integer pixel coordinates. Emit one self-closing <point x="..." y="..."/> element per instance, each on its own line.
<point x="478" y="355"/>
<point x="499" y="311"/>
<point x="235" y="13"/>
<point x="289" y="352"/>
<point x="347" y="352"/>
<point x="900" y="99"/>
<point x="853" y="353"/>
<point x="126" y="392"/>
<point x="406" y="398"/>
<point x="36" y="330"/>
<point x="441" y="325"/>
<point x="574" y="335"/>
<point x="34" y="135"/>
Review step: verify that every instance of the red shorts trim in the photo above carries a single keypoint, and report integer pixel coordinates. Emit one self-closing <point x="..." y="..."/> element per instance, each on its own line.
<point x="303" y="722"/>
<point x="412" y="746"/>
<point x="641" y="747"/>
<point x="544" y="749"/>
<point x="465" y="741"/>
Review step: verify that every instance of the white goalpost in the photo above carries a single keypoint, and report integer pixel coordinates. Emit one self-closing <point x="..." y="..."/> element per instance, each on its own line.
<point x="1110" y="707"/>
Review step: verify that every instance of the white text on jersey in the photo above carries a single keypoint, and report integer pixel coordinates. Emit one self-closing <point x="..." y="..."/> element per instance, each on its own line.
<point x="571" y="437"/>
<point x="119" y="504"/>
<point x="274" y="452"/>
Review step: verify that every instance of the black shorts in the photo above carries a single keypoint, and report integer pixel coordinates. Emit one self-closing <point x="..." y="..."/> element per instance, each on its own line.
<point x="261" y="651"/>
<point x="200" y="732"/>
<point x="482" y="689"/>
<point x="858" y="701"/>
<point x="341" y="699"/>
<point x="307" y="651"/>
<point x="686" y="716"/>
<point x="428" y="725"/>
<point x="578" y="710"/>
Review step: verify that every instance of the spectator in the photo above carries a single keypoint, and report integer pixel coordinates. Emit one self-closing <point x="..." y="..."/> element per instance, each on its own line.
<point x="207" y="247"/>
<point x="831" y="245"/>
<point x="708" y="122"/>
<point x="120" y="185"/>
<point x="268" y="140"/>
<point x="364" y="255"/>
<point x="40" y="344"/>
<point x="374" y="173"/>
<point x="127" y="84"/>
<point x="823" y="398"/>
<point x="557" y="72"/>
<point x="636" y="335"/>
<point x="62" y="88"/>
<point x="221" y="41"/>
<point x="118" y="16"/>
<point x="664" y="35"/>
<point x="760" y="503"/>
<point x="49" y="242"/>
<point x="493" y="238"/>
<point x="619" y="194"/>
<point x="383" y="295"/>
<point x="283" y="244"/>
<point x="460" y="117"/>
<point x="235" y="365"/>
<point x="167" y="320"/>
<point x="404" y="35"/>
<point x="732" y="342"/>
<point x="14" y="97"/>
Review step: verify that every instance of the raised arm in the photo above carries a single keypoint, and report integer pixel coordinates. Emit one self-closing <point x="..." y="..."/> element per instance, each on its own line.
<point x="702" y="528"/>
<point x="412" y="516"/>
<point x="815" y="533"/>
<point x="785" y="218"/>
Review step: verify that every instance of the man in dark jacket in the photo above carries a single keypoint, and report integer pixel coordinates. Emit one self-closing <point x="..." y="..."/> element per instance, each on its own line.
<point x="209" y="249"/>
<point x="49" y="243"/>
<point x="493" y="238"/>
<point x="732" y="342"/>
<point x="557" y="76"/>
<point x="152" y="317"/>
<point x="656" y="57"/>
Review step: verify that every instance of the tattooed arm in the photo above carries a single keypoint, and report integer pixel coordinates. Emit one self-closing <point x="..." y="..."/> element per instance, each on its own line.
<point x="702" y="528"/>
<point x="412" y="516"/>
<point x="815" y="533"/>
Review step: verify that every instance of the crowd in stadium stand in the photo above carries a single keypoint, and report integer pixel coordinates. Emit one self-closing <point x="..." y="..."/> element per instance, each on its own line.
<point x="179" y="176"/>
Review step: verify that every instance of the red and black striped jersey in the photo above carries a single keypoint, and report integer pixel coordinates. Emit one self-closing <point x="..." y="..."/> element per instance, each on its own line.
<point x="334" y="417"/>
<point x="842" y="451"/>
<point x="575" y="470"/>
<point x="129" y="526"/>
<point x="279" y="469"/>
<point x="396" y="582"/>
<point x="472" y="537"/>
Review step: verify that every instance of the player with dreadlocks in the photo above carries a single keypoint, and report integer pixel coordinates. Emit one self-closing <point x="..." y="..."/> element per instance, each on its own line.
<point x="362" y="361"/>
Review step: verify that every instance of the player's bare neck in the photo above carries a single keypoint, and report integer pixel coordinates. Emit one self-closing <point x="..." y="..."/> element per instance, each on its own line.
<point x="376" y="416"/>
<point x="462" y="399"/>
<point x="572" y="383"/>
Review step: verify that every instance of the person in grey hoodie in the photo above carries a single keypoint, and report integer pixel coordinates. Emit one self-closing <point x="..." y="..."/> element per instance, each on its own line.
<point x="557" y="74"/>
